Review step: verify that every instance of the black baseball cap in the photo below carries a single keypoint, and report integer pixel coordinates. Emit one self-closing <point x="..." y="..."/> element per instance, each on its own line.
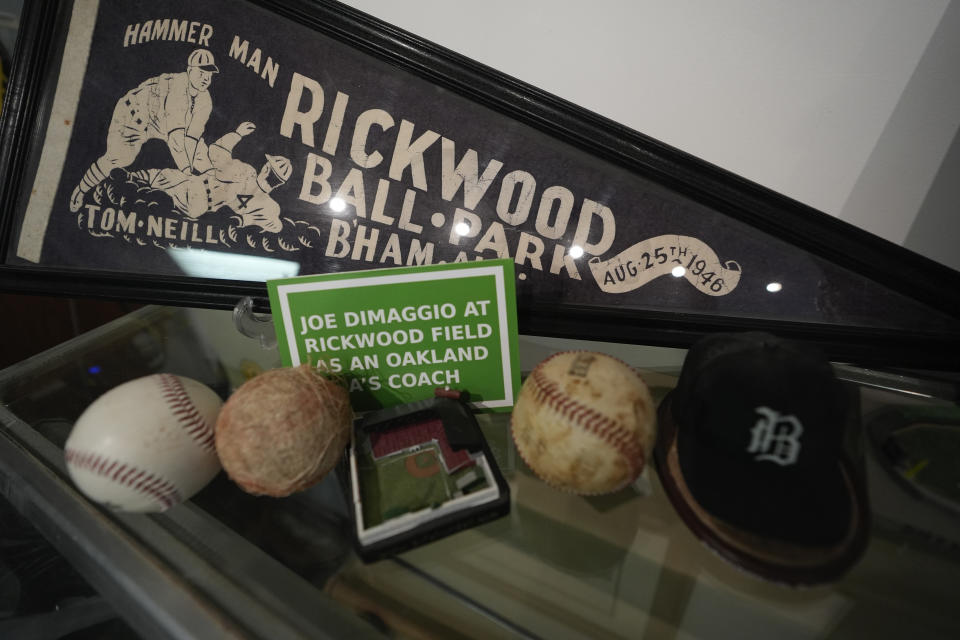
<point x="752" y="456"/>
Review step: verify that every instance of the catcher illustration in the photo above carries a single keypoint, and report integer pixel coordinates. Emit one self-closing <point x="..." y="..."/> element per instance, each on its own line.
<point x="224" y="181"/>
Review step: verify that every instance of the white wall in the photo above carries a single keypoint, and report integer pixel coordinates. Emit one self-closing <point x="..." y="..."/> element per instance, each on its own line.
<point x="806" y="98"/>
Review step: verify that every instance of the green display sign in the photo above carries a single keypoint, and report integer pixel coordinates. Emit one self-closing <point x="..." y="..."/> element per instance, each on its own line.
<point x="397" y="335"/>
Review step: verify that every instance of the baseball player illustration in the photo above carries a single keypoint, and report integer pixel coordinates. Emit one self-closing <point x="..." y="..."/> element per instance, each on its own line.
<point x="227" y="182"/>
<point x="173" y="107"/>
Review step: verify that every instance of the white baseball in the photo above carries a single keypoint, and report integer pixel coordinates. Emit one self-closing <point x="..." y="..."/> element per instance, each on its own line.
<point x="147" y="444"/>
<point x="584" y="422"/>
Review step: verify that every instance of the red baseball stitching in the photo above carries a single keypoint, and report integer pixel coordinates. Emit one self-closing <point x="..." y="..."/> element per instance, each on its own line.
<point x="607" y="429"/>
<point x="185" y="411"/>
<point x="161" y="490"/>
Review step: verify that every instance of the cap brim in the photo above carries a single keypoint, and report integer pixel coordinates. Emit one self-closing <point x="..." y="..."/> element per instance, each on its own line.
<point x="773" y="559"/>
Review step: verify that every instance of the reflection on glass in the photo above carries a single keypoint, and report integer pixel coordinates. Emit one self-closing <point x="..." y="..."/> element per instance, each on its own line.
<point x="337" y="204"/>
<point x="216" y="264"/>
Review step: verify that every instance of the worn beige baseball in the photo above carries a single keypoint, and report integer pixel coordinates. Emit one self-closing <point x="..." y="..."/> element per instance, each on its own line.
<point x="145" y="445"/>
<point x="584" y="422"/>
<point x="284" y="430"/>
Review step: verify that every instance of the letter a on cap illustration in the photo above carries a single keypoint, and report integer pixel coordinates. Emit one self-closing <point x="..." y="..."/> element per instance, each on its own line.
<point x="203" y="59"/>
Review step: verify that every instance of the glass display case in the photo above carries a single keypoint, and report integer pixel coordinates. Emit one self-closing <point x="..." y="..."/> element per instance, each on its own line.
<point x="624" y="565"/>
<point x="712" y="252"/>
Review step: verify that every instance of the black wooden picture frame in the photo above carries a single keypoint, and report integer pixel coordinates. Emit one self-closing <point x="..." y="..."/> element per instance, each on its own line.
<point x="309" y="101"/>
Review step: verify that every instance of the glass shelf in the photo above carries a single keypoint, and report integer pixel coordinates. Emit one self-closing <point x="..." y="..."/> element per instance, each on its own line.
<point x="558" y="566"/>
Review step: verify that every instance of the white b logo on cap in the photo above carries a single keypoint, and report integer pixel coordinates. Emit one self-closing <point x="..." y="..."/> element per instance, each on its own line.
<point x="776" y="437"/>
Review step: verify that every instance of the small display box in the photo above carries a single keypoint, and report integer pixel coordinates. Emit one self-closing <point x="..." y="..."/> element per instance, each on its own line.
<point x="418" y="472"/>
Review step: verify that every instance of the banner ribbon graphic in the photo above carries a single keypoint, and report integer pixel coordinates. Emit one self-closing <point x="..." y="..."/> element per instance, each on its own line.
<point x="637" y="265"/>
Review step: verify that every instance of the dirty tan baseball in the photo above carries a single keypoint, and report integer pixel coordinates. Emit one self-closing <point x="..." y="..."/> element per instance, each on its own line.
<point x="584" y="422"/>
<point x="283" y="431"/>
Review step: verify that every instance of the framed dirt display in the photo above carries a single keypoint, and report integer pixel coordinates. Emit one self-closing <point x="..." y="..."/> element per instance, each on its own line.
<point x="186" y="153"/>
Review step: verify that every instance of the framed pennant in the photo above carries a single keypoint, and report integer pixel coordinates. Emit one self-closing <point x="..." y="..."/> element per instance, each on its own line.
<point x="186" y="153"/>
